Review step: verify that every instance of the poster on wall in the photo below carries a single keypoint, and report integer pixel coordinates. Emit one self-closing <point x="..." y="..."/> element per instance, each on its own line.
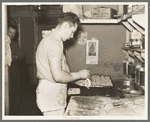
<point x="82" y="38"/>
<point x="92" y="51"/>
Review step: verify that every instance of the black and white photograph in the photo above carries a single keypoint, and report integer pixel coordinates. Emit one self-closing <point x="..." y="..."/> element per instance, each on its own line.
<point x="74" y="60"/>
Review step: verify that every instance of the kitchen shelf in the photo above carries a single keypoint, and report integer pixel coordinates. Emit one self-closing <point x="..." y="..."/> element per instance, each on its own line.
<point x="138" y="53"/>
<point x="142" y="31"/>
<point x="139" y="19"/>
<point x="133" y="49"/>
<point x="141" y="87"/>
<point x="108" y="21"/>
<point x="131" y="53"/>
<point x="143" y="55"/>
<point x="139" y="9"/>
<point x="140" y="58"/>
<point x="140" y="50"/>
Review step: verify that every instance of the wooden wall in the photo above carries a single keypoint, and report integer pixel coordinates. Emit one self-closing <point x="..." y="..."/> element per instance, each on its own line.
<point x="111" y="39"/>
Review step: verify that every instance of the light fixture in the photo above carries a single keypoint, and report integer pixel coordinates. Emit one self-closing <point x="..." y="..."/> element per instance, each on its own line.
<point x="39" y="8"/>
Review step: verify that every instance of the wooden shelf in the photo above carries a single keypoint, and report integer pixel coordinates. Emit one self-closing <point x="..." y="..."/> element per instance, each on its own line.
<point x="134" y="49"/>
<point x="139" y="19"/>
<point x="131" y="53"/>
<point x="141" y="87"/>
<point x="142" y="31"/>
<point x="138" y="53"/>
<point x="143" y="55"/>
<point x="139" y="8"/>
<point x="140" y="58"/>
<point x="140" y="50"/>
<point x="108" y="21"/>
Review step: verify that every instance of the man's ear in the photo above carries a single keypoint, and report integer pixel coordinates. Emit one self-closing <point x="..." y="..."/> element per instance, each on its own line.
<point x="66" y="25"/>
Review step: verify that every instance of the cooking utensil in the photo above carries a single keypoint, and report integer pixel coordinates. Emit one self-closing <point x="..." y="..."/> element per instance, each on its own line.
<point x="87" y="83"/>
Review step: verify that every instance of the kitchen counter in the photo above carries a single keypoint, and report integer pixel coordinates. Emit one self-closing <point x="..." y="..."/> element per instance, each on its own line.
<point x="106" y="104"/>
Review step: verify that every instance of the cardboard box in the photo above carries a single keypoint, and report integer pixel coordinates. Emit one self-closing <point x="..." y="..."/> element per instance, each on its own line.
<point x="100" y="12"/>
<point x="122" y="9"/>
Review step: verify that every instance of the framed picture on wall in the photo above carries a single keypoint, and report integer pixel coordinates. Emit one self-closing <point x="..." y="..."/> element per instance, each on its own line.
<point x="92" y="52"/>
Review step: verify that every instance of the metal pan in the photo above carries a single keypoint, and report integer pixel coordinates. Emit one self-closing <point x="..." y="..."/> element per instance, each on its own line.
<point x="133" y="92"/>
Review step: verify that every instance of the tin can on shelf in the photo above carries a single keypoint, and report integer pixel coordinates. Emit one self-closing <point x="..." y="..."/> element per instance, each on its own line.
<point x="142" y="77"/>
<point x="125" y="67"/>
<point x="130" y="68"/>
<point x="126" y="85"/>
<point x="132" y="83"/>
<point x="139" y="74"/>
<point x="129" y="84"/>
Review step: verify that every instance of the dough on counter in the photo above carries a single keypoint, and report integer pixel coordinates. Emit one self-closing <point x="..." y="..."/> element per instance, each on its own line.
<point x="100" y="81"/>
<point x="80" y="82"/>
<point x="96" y="81"/>
<point x="140" y="110"/>
<point x="121" y="111"/>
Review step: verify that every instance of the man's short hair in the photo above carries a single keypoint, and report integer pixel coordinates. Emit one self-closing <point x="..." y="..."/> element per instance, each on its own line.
<point x="69" y="17"/>
<point x="12" y="23"/>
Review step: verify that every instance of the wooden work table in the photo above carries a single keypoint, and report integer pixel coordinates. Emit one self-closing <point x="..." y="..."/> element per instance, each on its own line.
<point x="106" y="105"/>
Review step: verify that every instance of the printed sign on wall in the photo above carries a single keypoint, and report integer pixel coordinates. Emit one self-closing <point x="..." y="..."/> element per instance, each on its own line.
<point x="82" y="38"/>
<point x="92" y="51"/>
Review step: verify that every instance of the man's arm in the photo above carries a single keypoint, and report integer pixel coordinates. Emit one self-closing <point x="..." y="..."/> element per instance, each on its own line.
<point x="62" y="76"/>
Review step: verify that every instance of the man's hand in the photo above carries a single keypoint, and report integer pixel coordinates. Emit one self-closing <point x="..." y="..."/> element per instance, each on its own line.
<point x="84" y="74"/>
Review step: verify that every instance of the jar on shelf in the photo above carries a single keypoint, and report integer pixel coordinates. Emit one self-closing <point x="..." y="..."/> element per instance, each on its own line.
<point x="137" y="67"/>
<point x="129" y="8"/>
<point x="142" y="76"/>
<point x="139" y="72"/>
<point x="129" y="84"/>
<point x="142" y="42"/>
<point x="125" y="67"/>
<point x="126" y="85"/>
<point x="131" y="69"/>
<point x="132" y="83"/>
